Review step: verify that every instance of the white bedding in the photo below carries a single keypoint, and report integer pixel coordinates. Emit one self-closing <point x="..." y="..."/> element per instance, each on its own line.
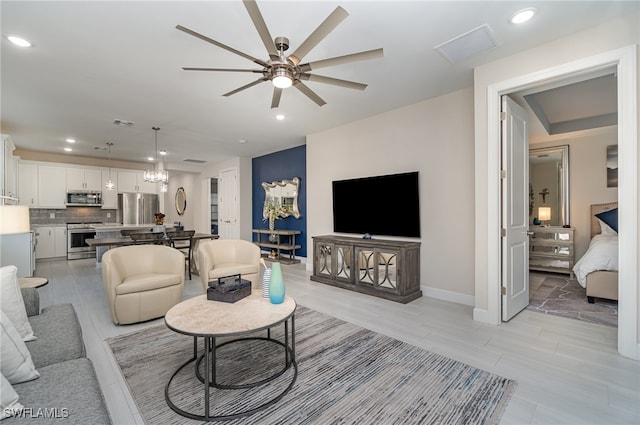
<point x="602" y="254"/>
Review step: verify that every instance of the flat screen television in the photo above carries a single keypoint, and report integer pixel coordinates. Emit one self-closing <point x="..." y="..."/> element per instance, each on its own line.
<point x="386" y="205"/>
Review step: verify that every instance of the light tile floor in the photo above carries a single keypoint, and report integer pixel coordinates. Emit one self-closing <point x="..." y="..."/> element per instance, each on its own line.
<point x="568" y="372"/>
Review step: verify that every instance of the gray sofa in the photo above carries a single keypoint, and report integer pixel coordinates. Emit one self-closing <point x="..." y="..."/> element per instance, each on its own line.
<point x="67" y="390"/>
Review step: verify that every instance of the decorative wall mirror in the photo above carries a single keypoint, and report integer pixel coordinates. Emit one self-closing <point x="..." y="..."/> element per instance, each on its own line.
<point x="181" y="201"/>
<point x="549" y="184"/>
<point x="283" y="196"/>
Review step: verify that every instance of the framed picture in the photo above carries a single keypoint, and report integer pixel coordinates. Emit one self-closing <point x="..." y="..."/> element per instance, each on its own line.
<point x="612" y="166"/>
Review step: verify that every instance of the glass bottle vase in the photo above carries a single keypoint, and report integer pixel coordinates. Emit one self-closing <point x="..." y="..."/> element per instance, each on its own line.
<point x="276" y="285"/>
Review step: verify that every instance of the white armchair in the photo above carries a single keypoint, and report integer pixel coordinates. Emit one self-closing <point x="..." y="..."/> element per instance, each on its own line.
<point x="142" y="282"/>
<point x="226" y="257"/>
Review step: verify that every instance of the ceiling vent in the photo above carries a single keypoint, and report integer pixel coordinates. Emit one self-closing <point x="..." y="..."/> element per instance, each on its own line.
<point x="195" y="161"/>
<point x="123" y="123"/>
<point x="471" y="43"/>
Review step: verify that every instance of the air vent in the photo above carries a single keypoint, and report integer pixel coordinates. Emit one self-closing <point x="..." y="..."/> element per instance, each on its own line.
<point x="123" y="123"/>
<point x="195" y="161"/>
<point x="471" y="43"/>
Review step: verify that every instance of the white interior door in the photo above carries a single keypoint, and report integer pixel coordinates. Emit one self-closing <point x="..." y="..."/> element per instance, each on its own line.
<point x="228" y="224"/>
<point x="515" y="213"/>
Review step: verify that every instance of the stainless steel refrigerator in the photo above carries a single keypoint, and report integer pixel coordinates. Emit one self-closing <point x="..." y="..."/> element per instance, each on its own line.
<point x="137" y="208"/>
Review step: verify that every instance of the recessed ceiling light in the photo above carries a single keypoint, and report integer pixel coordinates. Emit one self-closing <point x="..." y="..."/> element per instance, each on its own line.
<point x="523" y="15"/>
<point x="242" y="141"/>
<point x="19" y="41"/>
<point x="150" y="158"/>
<point x="70" y="140"/>
<point x="280" y="117"/>
<point x="163" y="152"/>
<point x="68" y="149"/>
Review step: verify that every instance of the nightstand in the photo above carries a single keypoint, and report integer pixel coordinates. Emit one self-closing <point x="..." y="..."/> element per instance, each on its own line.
<point x="551" y="249"/>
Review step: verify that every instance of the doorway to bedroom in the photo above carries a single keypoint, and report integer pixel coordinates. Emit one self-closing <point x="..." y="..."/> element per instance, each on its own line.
<point x="569" y="171"/>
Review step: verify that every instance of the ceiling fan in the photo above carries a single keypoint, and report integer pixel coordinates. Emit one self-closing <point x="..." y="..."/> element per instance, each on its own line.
<point x="286" y="71"/>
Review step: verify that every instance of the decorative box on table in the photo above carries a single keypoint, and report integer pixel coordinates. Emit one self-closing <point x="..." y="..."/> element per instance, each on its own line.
<point x="229" y="289"/>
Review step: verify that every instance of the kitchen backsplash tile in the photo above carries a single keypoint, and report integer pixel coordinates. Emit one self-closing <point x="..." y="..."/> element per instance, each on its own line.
<point x="71" y="215"/>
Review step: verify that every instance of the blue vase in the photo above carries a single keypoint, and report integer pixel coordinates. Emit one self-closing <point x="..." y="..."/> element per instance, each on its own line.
<point x="276" y="286"/>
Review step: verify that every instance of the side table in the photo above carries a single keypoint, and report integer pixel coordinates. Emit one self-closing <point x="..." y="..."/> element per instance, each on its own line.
<point x="32" y="282"/>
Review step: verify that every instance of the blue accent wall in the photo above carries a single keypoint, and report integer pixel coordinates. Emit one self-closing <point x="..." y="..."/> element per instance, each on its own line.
<point x="283" y="165"/>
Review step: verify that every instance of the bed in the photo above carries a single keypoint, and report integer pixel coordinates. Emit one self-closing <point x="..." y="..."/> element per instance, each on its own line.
<point x="597" y="270"/>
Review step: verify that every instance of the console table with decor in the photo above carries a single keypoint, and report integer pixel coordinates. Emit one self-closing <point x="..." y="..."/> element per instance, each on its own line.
<point x="277" y="241"/>
<point x="384" y="268"/>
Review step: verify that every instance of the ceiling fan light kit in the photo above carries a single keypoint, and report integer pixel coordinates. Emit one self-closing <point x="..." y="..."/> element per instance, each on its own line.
<point x="286" y="71"/>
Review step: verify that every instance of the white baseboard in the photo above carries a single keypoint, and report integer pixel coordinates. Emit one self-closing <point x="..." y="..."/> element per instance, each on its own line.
<point x="481" y="315"/>
<point x="443" y="294"/>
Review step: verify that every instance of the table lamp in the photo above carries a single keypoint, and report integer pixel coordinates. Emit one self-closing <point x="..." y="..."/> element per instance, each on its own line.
<point x="544" y="214"/>
<point x="14" y="219"/>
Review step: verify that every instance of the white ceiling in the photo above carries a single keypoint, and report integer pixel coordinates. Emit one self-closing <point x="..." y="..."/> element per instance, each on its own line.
<point x="93" y="62"/>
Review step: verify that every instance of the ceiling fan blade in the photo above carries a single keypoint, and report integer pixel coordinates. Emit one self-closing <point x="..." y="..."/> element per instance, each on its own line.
<point x="339" y="60"/>
<point x="309" y="93"/>
<point x="328" y="25"/>
<point x="256" y="71"/>
<point x="223" y="46"/>
<point x="246" y="86"/>
<point x="275" y="100"/>
<point x="333" y="81"/>
<point x="261" y="26"/>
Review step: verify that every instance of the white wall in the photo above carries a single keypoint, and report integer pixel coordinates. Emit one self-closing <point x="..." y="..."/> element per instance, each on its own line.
<point x="435" y="138"/>
<point x="188" y="182"/>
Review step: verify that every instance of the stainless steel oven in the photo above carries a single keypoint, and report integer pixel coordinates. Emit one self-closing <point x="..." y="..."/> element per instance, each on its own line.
<point x="77" y="246"/>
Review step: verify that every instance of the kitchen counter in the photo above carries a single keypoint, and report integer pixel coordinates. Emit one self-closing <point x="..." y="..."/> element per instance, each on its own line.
<point x="117" y="227"/>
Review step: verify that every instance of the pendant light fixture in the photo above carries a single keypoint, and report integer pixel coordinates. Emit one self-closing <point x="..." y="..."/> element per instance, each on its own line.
<point x="156" y="175"/>
<point x="110" y="185"/>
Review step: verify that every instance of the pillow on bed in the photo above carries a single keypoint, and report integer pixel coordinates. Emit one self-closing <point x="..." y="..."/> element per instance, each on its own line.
<point x="605" y="229"/>
<point x="610" y="218"/>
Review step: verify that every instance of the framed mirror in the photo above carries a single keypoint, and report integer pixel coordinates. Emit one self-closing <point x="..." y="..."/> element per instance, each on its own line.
<point x="181" y="201"/>
<point x="283" y="196"/>
<point x="549" y="185"/>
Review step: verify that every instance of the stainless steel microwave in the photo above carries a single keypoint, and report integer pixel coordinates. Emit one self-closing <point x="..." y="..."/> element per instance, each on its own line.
<point x="84" y="199"/>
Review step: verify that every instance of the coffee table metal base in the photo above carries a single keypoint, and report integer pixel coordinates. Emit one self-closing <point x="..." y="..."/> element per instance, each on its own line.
<point x="208" y="357"/>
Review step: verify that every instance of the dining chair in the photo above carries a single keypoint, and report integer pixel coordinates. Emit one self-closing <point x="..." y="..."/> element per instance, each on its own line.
<point x="182" y="240"/>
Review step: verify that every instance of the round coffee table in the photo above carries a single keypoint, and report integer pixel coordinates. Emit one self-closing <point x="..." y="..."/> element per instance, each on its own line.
<point x="32" y="282"/>
<point x="202" y="318"/>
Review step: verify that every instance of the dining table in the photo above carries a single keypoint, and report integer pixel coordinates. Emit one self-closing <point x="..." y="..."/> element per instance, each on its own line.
<point x="126" y="240"/>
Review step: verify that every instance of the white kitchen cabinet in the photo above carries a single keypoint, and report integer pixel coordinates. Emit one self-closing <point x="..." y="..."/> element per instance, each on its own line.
<point x="89" y="179"/>
<point x="52" y="191"/>
<point x="28" y="184"/>
<point x="60" y="241"/>
<point x="133" y="181"/>
<point x="51" y="241"/>
<point x="8" y="169"/>
<point x="109" y="197"/>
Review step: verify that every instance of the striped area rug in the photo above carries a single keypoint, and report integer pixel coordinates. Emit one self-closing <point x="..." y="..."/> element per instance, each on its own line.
<point x="346" y="375"/>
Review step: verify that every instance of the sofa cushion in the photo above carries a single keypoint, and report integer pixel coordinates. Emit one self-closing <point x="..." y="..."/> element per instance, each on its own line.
<point x="147" y="282"/>
<point x="70" y="390"/>
<point x="228" y="269"/>
<point x="60" y="336"/>
<point x="12" y="304"/>
<point x="15" y="360"/>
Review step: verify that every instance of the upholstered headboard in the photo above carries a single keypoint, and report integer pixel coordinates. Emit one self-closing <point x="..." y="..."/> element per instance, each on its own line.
<point x="597" y="209"/>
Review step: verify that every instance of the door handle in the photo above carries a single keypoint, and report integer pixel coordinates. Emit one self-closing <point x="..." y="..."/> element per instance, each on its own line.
<point x="529" y="233"/>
